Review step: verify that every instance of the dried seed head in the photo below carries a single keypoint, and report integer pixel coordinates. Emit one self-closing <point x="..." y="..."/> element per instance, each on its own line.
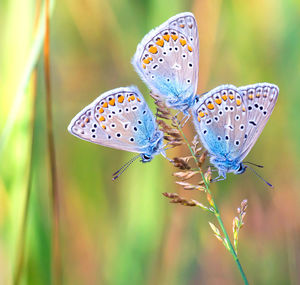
<point x="176" y="199"/>
<point x="174" y="133"/>
<point x="244" y="205"/>
<point x="155" y="97"/>
<point x="163" y="111"/>
<point x="180" y="163"/>
<point x="185" y="175"/>
<point x="195" y="140"/>
<point x="175" y="143"/>
<point x="170" y="195"/>
<point x="202" y="158"/>
<point x="238" y="222"/>
<point x="163" y="116"/>
<point x="207" y="175"/>
<point x="210" y="200"/>
<point x="186" y="186"/>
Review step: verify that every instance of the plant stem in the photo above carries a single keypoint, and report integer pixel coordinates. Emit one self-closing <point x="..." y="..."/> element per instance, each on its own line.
<point x="54" y="195"/>
<point x="217" y="213"/>
<point x="22" y="236"/>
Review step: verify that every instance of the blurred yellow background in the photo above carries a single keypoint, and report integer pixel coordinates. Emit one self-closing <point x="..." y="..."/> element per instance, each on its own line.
<point x="126" y="232"/>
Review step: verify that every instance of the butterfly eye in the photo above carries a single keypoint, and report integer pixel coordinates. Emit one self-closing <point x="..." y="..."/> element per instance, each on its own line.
<point x="146" y="158"/>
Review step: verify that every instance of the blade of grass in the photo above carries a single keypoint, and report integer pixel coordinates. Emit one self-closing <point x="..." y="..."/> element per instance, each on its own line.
<point x="56" y="258"/>
<point x="32" y="60"/>
<point x="22" y="236"/>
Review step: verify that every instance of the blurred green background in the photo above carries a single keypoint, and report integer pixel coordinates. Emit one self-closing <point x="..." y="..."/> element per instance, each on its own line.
<point x="126" y="232"/>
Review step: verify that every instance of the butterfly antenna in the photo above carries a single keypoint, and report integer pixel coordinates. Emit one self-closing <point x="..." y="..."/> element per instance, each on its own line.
<point x="118" y="173"/>
<point x="257" y="165"/>
<point x="269" y="184"/>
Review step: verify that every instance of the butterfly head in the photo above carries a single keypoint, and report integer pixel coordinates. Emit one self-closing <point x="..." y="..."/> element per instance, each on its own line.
<point x="241" y="169"/>
<point x="225" y="166"/>
<point x="155" y="147"/>
<point x="183" y="102"/>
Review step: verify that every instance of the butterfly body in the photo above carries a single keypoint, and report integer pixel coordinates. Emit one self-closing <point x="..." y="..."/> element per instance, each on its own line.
<point x="167" y="61"/>
<point x="121" y="119"/>
<point x="229" y="120"/>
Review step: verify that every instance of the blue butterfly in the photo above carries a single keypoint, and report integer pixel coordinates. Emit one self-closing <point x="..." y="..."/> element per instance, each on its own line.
<point x="121" y="119"/>
<point x="229" y="120"/>
<point x="167" y="60"/>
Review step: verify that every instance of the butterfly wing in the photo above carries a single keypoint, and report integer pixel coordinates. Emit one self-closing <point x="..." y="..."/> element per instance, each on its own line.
<point x="220" y="119"/>
<point x="167" y="59"/>
<point x="260" y="100"/>
<point x="119" y="118"/>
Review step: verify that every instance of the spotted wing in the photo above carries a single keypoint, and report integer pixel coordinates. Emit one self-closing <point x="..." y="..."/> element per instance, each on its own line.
<point x="167" y="59"/>
<point x="119" y="118"/>
<point x="260" y="100"/>
<point x="220" y="119"/>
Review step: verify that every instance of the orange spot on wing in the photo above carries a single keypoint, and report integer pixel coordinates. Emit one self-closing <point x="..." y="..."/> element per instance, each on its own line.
<point x="101" y="110"/>
<point x="160" y="42"/>
<point x="101" y="119"/>
<point x="166" y="37"/>
<point x="138" y="99"/>
<point x="190" y="48"/>
<point x="218" y="101"/>
<point x="210" y="106"/>
<point x="182" y="42"/>
<point x="144" y="66"/>
<point x="131" y="98"/>
<point x="112" y="102"/>
<point x="201" y="114"/>
<point x="224" y="97"/>
<point x="147" y="60"/>
<point x="174" y="37"/>
<point x="257" y="95"/>
<point x="105" y="105"/>
<point x="199" y="119"/>
<point x="103" y="127"/>
<point x="121" y="99"/>
<point x="243" y="109"/>
<point x="250" y="97"/>
<point x="153" y="49"/>
<point x="181" y="26"/>
<point x="238" y="102"/>
<point x="87" y="120"/>
<point x="231" y="96"/>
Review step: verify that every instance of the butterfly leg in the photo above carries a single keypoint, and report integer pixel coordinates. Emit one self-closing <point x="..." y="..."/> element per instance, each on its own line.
<point x="163" y="153"/>
<point x="185" y="119"/>
<point x="219" y="178"/>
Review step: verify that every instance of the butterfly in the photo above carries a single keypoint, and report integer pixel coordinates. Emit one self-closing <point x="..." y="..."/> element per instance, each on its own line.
<point x="167" y="60"/>
<point x="121" y="119"/>
<point x="229" y="120"/>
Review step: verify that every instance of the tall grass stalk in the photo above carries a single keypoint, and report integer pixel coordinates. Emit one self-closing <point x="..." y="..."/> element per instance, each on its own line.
<point x="54" y="197"/>
<point x="18" y="270"/>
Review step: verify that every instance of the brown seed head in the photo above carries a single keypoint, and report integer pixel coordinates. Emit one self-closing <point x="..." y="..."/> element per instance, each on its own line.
<point x="180" y="163"/>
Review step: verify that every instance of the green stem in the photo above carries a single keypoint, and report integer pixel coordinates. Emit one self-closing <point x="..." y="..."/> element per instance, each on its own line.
<point x="217" y="213"/>
<point x="22" y="236"/>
